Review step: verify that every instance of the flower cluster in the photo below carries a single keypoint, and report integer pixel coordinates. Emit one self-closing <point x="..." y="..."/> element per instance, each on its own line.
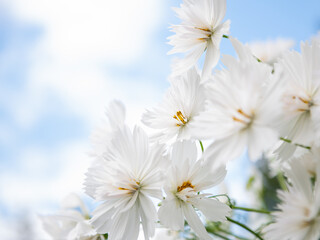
<point x="250" y="106"/>
<point x="131" y="173"/>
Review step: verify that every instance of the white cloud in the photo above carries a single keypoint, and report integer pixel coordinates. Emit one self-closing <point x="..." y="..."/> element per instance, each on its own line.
<point x="44" y="176"/>
<point x="78" y="29"/>
<point x="79" y="39"/>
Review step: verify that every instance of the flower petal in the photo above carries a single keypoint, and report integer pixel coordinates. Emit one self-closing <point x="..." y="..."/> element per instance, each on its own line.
<point x="213" y="209"/>
<point x="148" y="216"/>
<point x="194" y="221"/>
<point x="211" y="60"/>
<point x="171" y="215"/>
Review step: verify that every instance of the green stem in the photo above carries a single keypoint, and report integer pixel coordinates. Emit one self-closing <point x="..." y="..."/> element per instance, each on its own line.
<point x="233" y="206"/>
<point x="244" y="227"/>
<point x="285" y="140"/>
<point x="297" y="144"/>
<point x="259" y="229"/>
<point x="220" y="236"/>
<point x="213" y="231"/>
<point x="201" y="145"/>
<point x="251" y="209"/>
<point x="232" y="234"/>
<point x="282" y="181"/>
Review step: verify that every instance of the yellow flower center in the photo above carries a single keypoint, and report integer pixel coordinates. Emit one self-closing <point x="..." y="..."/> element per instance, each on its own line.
<point x="182" y="120"/>
<point x="135" y="186"/>
<point x="205" y="31"/>
<point x="185" y="185"/>
<point x="242" y="117"/>
<point x="307" y="103"/>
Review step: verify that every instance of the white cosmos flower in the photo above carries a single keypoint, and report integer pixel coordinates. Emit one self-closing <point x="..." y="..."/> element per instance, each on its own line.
<point x="269" y="51"/>
<point x="101" y="137"/>
<point x="310" y="159"/>
<point x="115" y="115"/>
<point x="298" y="217"/>
<point x="301" y="98"/>
<point x="243" y="107"/>
<point x="201" y="30"/>
<point x="125" y="180"/>
<point x="185" y="179"/>
<point x="69" y="223"/>
<point x="184" y="100"/>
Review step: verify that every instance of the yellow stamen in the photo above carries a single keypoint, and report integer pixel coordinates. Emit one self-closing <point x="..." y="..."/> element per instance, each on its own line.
<point x="180" y="118"/>
<point x="184" y="186"/>
<point x="135" y="187"/>
<point x="238" y="120"/>
<point x="208" y="33"/>
<point x="307" y="102"/>
<point x="303" y="100"/>
<point x="244" y="114"/>
<point x="203" y="29"/>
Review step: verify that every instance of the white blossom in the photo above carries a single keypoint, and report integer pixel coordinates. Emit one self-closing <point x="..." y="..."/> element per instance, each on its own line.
<point x="69" y="223"/>
<point x="243" y="106"/>
<point x="201" y="30"/>
<point x="125" y="180"/>
<point x="269" y="51"/>
<point x="184" y="100"/>
<point x="298" y="215"/>
<point x="301" y="98"/>
<point x="310" y="159"/>
<point x="115" y="115"/>
<point x="185" y="179"/>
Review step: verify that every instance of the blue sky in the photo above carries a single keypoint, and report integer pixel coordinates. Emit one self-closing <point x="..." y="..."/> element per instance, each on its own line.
<point x="56" y="76"/>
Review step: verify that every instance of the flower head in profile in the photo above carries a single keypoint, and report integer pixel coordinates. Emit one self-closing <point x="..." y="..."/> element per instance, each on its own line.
<point x="243" y="105"/>
<point x="115" y="115"/>
<point x="201" y="30"/>
<point x="186" y="178"/>
<point x="301" y="98"/>
<point x="184" y="100"/>
<point x="298" y="216"/>
<point x="310" y="159"/>
<point x="125" y="179"/>
<point x="269" y="51"/>
<point x="69" y="223"/>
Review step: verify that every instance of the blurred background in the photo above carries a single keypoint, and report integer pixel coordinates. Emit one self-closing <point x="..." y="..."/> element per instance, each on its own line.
<point x="62" y="61"/>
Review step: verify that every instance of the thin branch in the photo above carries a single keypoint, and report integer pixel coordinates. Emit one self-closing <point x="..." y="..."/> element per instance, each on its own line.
<point x="251" y="209"/>
<point x="232" y="234"/>
<point x="244" y="227"/>
<point x="297" y="144"/>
